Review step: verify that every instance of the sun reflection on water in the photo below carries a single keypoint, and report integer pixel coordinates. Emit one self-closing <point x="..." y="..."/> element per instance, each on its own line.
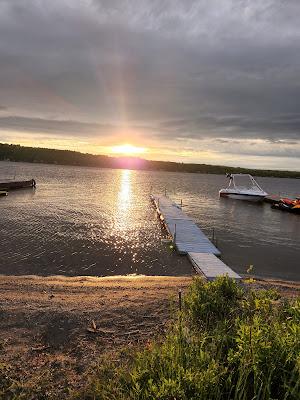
<point x="124" y="196"/>
<point x="123" y="217"/>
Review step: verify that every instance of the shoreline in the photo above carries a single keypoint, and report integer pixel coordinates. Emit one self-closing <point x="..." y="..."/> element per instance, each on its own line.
<point x="88" y="160"/>
<point x="54" y="329"/>
<point x="129" y="279"/>
<point x="133" y="276"/>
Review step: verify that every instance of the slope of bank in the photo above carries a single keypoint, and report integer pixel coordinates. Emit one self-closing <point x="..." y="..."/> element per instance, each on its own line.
<point x="52" y="329"/>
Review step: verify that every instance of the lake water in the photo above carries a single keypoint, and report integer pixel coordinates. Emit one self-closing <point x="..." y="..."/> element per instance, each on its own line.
<point x="88" y="221"/>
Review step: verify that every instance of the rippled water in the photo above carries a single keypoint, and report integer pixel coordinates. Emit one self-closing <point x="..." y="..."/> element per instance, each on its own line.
<point x="86" y="221"/>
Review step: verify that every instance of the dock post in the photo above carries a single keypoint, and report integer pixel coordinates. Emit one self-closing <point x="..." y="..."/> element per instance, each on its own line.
<point x="180" y="299"/>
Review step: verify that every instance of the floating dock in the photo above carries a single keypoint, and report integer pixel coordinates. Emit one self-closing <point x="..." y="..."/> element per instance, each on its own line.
<point x="210" y="266"/>
<point x="272" y="199"/>
<point x="189" y="240"/>
<point x="12" y="184"/>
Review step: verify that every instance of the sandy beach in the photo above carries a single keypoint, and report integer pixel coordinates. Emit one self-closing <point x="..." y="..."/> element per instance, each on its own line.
<point x="52" y="329"/>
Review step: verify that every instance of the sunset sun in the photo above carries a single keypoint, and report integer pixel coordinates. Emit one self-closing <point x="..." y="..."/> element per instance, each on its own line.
<point x="127" y="149"/>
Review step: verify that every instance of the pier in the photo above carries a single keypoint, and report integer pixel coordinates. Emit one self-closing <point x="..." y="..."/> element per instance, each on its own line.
<point x="272" y="199"/>
<point x="189" y="240"/>
<point x="13" y="184"/>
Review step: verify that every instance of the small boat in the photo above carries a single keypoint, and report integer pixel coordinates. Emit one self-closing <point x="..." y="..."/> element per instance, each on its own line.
<point x="243" y="187"/>
<point x="3" y="193"/>
<point x="296" y="209"/>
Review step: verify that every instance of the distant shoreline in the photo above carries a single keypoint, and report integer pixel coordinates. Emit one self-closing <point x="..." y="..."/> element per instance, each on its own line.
<point x="17" y="153"/>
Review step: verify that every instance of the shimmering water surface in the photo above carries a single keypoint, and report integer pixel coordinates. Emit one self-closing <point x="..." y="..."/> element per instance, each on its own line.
<point x="86" y="221"/>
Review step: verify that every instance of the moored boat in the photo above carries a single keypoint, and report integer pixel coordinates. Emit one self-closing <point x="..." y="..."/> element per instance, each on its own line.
<point x="246" y="189"/>
<point x="290" y="205"/>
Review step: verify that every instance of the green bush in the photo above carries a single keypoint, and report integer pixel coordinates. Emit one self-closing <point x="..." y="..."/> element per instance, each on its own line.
<point x="226" y="343"/>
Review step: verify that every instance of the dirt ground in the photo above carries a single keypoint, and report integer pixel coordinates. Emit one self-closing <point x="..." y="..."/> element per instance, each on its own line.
<point x="52" y="329"/>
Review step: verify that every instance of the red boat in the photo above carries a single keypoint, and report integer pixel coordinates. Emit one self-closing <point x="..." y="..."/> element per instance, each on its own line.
<point x="290" y="205"/>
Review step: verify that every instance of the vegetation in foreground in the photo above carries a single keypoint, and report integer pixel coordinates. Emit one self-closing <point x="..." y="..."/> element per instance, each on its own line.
<point x="226" y="343"/>
<point x="11" y="152"/>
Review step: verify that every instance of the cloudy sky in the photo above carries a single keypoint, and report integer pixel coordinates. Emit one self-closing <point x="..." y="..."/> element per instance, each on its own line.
<point x="215" y="81"/>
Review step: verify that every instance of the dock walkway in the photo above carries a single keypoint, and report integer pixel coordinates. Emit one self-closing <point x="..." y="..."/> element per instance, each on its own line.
<point x="190" y="240"/>
<point x="13" y="184"/>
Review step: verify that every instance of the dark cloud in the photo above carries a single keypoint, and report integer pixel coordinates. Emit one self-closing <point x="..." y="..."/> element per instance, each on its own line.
<point x="178" y="69"/>
<point x="68" y="127"/>
<point x="278" y="127"/>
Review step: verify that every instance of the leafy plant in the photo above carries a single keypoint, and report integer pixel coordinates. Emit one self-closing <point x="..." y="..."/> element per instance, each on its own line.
<point x="226" y="343"/>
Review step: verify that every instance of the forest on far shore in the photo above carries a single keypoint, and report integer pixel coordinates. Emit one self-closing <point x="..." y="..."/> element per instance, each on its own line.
<point x="17" y="153"/>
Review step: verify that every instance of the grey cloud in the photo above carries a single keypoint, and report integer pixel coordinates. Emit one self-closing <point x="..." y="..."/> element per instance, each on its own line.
<point x="178" y="69"/>
<point x="60" y="127"/>
<point x="280" y="153"/>
<point x="271" y="128"/>
<point x="67" y="127"/>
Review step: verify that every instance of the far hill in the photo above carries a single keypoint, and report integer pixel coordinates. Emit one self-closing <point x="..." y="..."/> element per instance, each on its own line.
<point x="11" y="152"/>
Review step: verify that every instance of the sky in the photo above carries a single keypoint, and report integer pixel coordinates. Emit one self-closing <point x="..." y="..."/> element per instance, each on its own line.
<point x="215" y="81"/>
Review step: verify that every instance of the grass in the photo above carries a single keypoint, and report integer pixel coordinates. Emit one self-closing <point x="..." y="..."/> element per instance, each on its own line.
<point x="226" y="343"/>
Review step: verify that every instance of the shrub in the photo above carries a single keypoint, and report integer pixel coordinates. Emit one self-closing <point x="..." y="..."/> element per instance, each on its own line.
<point x="227" y="343"/>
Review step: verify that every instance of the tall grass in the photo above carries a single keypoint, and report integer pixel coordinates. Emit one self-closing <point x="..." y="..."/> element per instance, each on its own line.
<point x="226" y="343"/>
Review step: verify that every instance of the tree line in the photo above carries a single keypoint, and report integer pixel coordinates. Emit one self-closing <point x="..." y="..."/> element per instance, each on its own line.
<point x="17" y="153"/>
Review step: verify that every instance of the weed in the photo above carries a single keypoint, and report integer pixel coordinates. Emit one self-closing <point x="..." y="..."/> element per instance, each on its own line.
<point x="226" y="343"/>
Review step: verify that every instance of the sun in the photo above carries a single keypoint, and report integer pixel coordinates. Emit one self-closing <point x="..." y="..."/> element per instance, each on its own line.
<point x="128" y="149"/>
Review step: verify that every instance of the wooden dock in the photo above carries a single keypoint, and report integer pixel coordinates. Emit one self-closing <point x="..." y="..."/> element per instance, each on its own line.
<point x="13" y="184"/>
<point x="189" y="240"/>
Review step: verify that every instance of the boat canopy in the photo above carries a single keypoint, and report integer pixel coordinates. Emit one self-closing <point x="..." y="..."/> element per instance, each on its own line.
<point x="243" y="182"/>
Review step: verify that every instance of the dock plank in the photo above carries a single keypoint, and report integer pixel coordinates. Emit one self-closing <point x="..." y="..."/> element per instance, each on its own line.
<point x="187" y="236"/>
<point x="211" y="266"/>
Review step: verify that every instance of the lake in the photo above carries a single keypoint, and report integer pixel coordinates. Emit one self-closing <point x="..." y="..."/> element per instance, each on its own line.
<point x="89" y="221"/>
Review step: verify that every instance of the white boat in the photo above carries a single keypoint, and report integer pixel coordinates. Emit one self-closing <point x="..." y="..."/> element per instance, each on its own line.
<point x="243" y="187"/>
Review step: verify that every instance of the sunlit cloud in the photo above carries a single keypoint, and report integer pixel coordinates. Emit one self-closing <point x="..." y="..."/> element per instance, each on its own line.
<point x="127" y="149"/>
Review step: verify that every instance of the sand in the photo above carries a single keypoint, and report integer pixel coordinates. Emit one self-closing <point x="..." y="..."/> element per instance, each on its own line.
<point x="52" y="329"/>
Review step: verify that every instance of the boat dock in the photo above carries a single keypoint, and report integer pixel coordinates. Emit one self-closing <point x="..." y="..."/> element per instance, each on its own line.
<point x="189" y="240"/>
<point x="272" y="199"/>
<point x="13" y="184"/>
